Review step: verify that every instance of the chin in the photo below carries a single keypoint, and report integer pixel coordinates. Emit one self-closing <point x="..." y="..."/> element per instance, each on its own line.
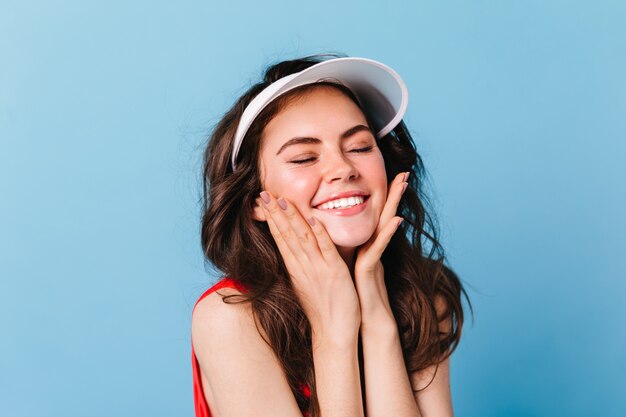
<point x="350" y="238"/>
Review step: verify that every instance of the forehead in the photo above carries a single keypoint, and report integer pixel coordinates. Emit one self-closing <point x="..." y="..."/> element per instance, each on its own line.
<point x="324" y="112"/>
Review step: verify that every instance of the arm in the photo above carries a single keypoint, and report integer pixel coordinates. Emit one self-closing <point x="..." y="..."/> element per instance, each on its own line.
<point x="246" y="377"/>
<point x="337" y="378"/>
<point x="388" y="387"/>
<point x="324" y="287"/>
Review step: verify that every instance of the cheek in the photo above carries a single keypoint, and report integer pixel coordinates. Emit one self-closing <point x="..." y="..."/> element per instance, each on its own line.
<point x="374" y="167"/>
<point x="298" y="187"/>
<point x="377" y="180"/>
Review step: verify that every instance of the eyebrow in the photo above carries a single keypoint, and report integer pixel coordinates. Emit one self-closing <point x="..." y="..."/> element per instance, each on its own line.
<point x="307" y="139"/>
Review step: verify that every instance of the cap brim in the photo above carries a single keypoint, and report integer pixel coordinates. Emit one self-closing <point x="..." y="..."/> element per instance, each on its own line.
<point x="379" y="89"/>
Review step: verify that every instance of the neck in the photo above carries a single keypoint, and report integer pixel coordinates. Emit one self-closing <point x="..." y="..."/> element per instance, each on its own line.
<point x="349" y="257"/>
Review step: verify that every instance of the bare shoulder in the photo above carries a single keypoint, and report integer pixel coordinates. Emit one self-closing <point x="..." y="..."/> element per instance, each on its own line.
<point x="212" y="313"/>
<point x="221" y="328"/>
<point x="245" y="376"/>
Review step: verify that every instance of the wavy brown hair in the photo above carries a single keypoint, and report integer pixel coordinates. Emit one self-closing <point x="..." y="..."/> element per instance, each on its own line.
<point x="243" y="248"/>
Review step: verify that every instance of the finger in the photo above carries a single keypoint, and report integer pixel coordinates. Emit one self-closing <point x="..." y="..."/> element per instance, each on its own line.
<point x="291" y="227"/>
<point x="375" y="250"/>
<point x="278" y="238"/>
<point x="396" y="189"/>
<point x="324" y="241"/>
<point x="302" y="230"/>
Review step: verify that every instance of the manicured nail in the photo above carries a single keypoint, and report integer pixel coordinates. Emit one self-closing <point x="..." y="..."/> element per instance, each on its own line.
<point x="311" y="221"/>
<point x="399" y="223"/>
<point x="282" y="203"/>
<point x="404" y="187"/>
<point x="265" y="196"/>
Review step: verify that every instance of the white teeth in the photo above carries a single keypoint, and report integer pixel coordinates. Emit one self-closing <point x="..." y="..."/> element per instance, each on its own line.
<point x="342" y="203"/>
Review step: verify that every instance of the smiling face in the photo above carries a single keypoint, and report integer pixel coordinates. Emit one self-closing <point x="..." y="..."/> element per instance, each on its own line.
<point x="319" y="154"/>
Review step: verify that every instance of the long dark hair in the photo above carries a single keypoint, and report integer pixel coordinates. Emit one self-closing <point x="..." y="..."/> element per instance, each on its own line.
<point x="243" y="248"/>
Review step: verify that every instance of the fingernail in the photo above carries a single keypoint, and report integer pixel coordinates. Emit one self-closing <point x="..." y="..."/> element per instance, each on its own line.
<point x="311" y="221"/>
<point x="404" y="187"/>
<point x="282" y="203"/>
<point x="265" y="196"/>
<point x="399" y="222"/>
<point x="406" y="176"/>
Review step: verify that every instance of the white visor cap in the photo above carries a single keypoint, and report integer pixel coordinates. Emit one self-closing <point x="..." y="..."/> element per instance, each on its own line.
<point x="379" y="89"/>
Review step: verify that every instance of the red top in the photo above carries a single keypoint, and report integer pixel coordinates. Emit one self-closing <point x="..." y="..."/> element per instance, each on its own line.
<point x="201" y="406"/>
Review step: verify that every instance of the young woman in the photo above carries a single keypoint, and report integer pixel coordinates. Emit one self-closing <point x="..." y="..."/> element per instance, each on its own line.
<point x="335" y="300"/>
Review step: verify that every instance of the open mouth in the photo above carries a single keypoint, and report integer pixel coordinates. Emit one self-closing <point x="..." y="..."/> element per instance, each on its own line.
<point x="343" y="203"/>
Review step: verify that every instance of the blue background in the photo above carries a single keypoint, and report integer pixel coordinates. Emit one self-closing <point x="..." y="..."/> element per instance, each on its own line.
<point x="518" y="109"/>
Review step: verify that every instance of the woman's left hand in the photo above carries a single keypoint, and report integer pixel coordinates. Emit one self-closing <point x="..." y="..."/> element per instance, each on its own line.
<point x="369" y="274"/>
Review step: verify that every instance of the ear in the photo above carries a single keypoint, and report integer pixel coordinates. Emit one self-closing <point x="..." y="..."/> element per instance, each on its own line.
<point x="257" y="212"/>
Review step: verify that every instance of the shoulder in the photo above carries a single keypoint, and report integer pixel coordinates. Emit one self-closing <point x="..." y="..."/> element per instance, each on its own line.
<point x="233" y="357"/>
<point x="220" y="327"/>
<point x="212" y="316"/>
<point x="212" y="301"/>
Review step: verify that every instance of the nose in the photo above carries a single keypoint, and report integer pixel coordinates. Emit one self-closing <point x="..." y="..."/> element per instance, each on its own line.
<point x="338" y="167"/>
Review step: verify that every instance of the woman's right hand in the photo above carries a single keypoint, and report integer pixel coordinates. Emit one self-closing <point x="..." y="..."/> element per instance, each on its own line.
<point x="319" y="275"/>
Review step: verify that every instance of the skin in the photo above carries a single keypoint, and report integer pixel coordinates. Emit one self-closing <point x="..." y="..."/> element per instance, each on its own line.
<point x="334" y="260"/>
<point x="334" y="165"/>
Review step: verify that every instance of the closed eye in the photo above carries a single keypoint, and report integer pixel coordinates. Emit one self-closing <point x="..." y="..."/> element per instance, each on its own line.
<point x="366" y="149"/>
<point x="302" y="161"/>
<point x="358" y="150"/>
